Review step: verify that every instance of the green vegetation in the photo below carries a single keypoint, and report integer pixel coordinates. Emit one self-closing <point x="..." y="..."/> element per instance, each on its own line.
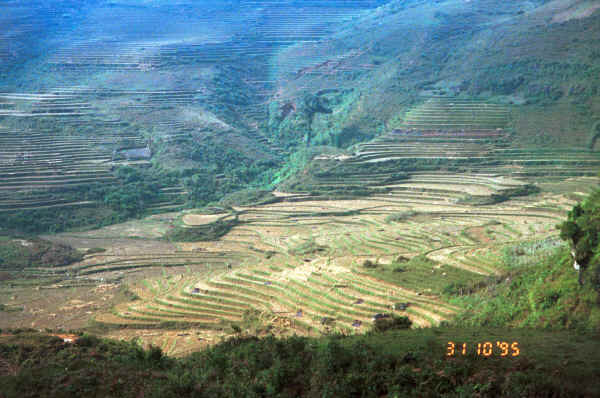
<point x="222" y="171"/>
<point x="424" y="274"/>
<point x="452" y="106"/>
<point x="402" y="363"/>
<point x="544" y="294"/>
<point x="135" y="191"/>
<point x="541" y="288"/>
<point x="310" y="246"/>
<point x="299" y="159"/>
<point x="9" y="308"/>
<point x="331" y="178"/>
<point x="582" y="230"/>
<point x="502" y="196"/>
<point x="18" y="254"/>
<point x="370" y="264"/>
<point x="594" y="134"/>
<point x="249" y="197"/>
<point x="402" y="216"/>
<point x="212" y="231"/>
<point x="95" y="250"/>
<point x="391" y="323"/>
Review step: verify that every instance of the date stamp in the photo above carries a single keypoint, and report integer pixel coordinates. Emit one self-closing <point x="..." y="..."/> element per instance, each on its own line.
<point x="485" y="349"/>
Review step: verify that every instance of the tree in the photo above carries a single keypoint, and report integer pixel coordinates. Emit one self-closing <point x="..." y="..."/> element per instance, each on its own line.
<point x="314" y="104"/>
<point x="582" y="230"/>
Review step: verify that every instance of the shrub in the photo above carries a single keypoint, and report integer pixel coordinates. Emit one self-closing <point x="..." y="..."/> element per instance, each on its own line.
<point x="249" y="197"/>
<point x="32" y="252"/>
<point x="95" y="250"/>
<point x="88" y="341"/>
<point x="462" y="288"/>
<point x="594" y="134"/>
<point x="270" y="253"/>
<point x="154" y="354"/>
<point x="212" y="231"/>
<point x="7" y="308"/>
<point x="369" y="264"/>
<point x="392" y="323"/>
<point x="397" y="217"/>
<point x="308" y="247"/>
<point x="129" y="294"/>
<point x="582" y="230"/>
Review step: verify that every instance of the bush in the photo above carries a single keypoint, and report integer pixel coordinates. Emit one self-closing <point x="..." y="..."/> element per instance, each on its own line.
<point x="369" y="264"/>
<point x="398" y="217"/>
<point x="582" y="230"/>
<point x="128" y="293"/>
<point x="594" y="134"/>
<point x="501" y="196"/>
<point x="249" y="197"/>
<point x="154" y="354"/>
<point x="308" y="247"/>
<point x="462" y="288"/>
<point x="269" y="254"/>
<point x="95" y="250"/>
<point x="19" y="254"/>
<point x="392" y="323"/>
<point x="212" y="231"/>
<point x="88" y="341"/>
<point x="334" y="366"/>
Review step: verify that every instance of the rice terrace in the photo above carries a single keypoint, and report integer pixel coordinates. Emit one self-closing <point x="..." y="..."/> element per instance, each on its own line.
<point x="306" y="264"/>
<point x="284" y="198"/>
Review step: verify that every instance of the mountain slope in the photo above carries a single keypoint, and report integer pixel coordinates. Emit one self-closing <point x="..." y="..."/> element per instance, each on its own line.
<point x="215" y="102"/>
<point x="528" y="54"/>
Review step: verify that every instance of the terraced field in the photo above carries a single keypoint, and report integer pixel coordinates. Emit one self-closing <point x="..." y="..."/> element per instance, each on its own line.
<point x="101" y="93"/>
<point x="457" y="114"/>
<point x="298" y="266"/>
<point x="38" y="161"/>
<point x="308" y="264"/>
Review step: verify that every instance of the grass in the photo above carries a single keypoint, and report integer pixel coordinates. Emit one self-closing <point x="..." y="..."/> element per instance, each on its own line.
<point x="246" y="290"/>
<point x="421" y="273"/>
<point x="411" y="363"/>
<point x="249" y="197"/>
<point x="310" y="246"/>
<point x="537" y="288"/>
<point x="9" y="308"/>
<point x="208" y="232"/>
<point x="200" y="308"/>
<point x="540" y="289"/>
<point x="19" y="254"/>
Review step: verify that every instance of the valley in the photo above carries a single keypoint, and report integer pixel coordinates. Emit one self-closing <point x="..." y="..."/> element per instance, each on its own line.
<point x="299" y="198"/>
<point x="313" y="262"/>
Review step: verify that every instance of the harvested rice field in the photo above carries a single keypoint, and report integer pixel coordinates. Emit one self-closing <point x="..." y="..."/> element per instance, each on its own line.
<point x="306" y="267"/>
<point x="311" y="264"/>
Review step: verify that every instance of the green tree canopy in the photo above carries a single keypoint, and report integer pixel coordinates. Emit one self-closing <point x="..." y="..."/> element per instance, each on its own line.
<point x="582" y="230"/>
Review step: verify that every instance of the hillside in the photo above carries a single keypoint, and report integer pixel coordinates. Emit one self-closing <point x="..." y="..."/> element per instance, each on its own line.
<point x="251" y="86"/>
<point x="394" y="363"/>
<point x="253" y="193"/>
<point x="540" y="59"/>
